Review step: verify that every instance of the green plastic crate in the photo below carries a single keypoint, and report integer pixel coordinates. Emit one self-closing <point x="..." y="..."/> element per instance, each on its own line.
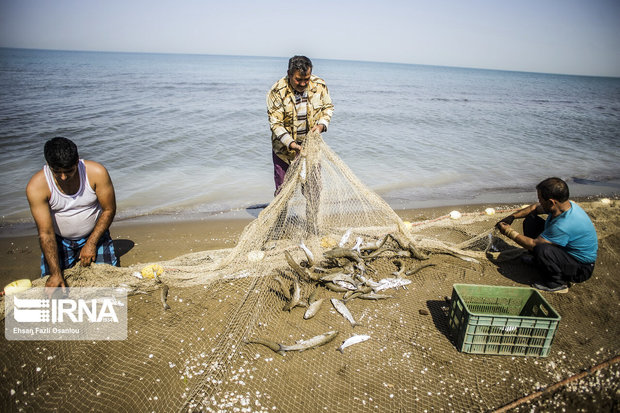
<point x="486" y="319"/>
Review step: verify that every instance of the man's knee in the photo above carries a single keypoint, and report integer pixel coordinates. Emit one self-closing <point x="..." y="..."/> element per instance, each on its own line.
<point x="543" y="250"/>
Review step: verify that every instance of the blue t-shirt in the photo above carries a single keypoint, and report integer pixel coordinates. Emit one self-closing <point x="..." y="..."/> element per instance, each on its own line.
<point x="574" y="231"/>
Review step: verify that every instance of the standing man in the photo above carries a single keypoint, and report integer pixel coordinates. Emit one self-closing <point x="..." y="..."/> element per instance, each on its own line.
<point x="296" y="104"/>
<point x="564" y="245"/>
<point x="73" y="204"/>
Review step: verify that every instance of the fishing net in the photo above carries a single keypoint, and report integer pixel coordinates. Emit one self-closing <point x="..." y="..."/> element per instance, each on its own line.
<point x="228" y="341"/>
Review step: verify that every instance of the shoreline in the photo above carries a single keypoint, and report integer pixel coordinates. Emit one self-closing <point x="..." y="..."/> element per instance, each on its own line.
<point x="159" y="238"/>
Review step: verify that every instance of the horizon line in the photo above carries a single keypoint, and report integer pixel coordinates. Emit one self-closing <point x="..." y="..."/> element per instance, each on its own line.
<point x="317" y="58"/>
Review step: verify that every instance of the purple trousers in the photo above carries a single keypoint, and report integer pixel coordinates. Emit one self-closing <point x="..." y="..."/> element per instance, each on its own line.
<point x="279" y="171"/>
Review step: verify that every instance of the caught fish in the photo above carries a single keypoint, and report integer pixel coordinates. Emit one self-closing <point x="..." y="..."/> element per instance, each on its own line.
<point x="359" y="338"/>
<point x="301" y="345"/>
<point x="308" y="253"/>
<point x="344" y="311"/>
<point x="313" y="308"/>
<point x="164" y="297"/>
<point x="413" y="271"/>
<point x="302" y="272"/>
<point x="345" y="238"/>
<point x="335" y="288"/>
<point x="387" y="283"/>
<point x="285" y="291"/>
<point x="295" y="297"/>
<point x="337" y="276"/>
<point x="357" y="245"/>
<point x="343" y="253"/>
<point x="345" y="284"/>
<point x="374" y="296"/>
<point x="312" y="296"/>
<point x="401" y="269"/>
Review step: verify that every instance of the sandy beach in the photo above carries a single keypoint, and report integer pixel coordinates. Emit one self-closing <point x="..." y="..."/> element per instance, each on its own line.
<point x="410" y="365"/>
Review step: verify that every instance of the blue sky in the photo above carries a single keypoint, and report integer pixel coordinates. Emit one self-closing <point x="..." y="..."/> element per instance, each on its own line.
<point x="553" y="36"/>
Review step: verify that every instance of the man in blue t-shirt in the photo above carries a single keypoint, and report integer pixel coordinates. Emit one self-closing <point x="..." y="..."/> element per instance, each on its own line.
<point x="564" y="245"/>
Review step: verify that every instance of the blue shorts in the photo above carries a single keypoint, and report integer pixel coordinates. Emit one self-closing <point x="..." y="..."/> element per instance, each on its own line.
<point x="69" y="252"/>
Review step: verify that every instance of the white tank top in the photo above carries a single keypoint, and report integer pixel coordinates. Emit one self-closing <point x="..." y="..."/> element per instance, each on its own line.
<point x="74" y="216"/>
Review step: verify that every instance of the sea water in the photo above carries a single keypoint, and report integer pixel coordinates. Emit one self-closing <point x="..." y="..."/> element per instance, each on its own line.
<point x="185" y="135"/>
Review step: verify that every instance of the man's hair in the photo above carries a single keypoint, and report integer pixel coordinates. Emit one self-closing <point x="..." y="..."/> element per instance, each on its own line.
<point x="553" y="188"/>
<point x="61" y="153"/>
<point x="301" y="63"/>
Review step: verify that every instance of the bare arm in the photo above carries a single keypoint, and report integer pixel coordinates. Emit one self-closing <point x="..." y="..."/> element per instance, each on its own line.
<point x="101" y="183"/>
<point x="38" y="195"/>
<point x="526" y="242"/>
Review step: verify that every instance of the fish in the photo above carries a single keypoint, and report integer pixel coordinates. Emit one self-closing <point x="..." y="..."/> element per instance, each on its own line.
<point x="344" y="311"/>
<point x="401" y="269"/>
<point x="359" y="338"/>
<point x="413" y="271"/>
<point x="374" y="296"/>
<point x="312" y="296"/>
<point x="300" y="345"/>
<point x="285" y="291"/>
<point x="357" y="245"/>
<point x="337" y="276"/>
<point x="345" y="238"/>
<point x="302" y="272"/>
<point x="308" y="253"/>
<point x="295" y="297"/>
<point x="335" y="288"/>
<point x="313" y="308"/>
<point x="343" y="253"/>
<point x="346" y="284"/>
<point x="164" y="297"/>
<point x="387" y="283"/>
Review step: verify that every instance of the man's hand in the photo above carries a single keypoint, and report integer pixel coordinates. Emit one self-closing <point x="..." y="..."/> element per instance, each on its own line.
<point x="53" y="283"/>
<point x="503" y="226"/>
<point x="508" y="220"/>
<point x="88" y="253"/>
<point x="318" y="127"/>
<point x="294" y="146"/>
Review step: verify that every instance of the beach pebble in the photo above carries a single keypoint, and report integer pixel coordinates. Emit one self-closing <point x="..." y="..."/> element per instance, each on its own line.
<point x="423" y="312"/>
<point x="455" y="215"/>
<point x="605" y="201"/>
<point x="489" y="211"/>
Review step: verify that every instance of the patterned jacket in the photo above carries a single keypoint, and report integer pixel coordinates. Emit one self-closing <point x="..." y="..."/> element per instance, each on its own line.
<point x="283" y="114"/>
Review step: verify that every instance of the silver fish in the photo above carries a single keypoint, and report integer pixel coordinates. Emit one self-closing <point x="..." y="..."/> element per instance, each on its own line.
<point x="164" y="297"/>
<point x="337" y="276"/>
<point x="357" y="245"/>
<point x="295" y="297"/>
<point x="374" y="296"/>
<point x="308" y="253"/>
<point x="285" y="291"/>
<point x="346" y="284"/>
<point x="344" y="311"/>
<point x="313" y="308"/>
<point x="301" y="345"/>
<point x="360" y="338"/>
<point x="335" y="288"/>
<point x="388" y="283"/>
<point x="345" y="238"/>
<point x="415" y="270"/>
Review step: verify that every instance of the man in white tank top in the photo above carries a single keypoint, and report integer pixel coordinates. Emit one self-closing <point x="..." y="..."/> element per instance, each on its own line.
<point x="73" y="204"/>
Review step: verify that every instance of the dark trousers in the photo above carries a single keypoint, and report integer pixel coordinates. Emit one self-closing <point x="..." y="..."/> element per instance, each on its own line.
<point x="558" y="266"/>
<point x="279" y="171"/>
